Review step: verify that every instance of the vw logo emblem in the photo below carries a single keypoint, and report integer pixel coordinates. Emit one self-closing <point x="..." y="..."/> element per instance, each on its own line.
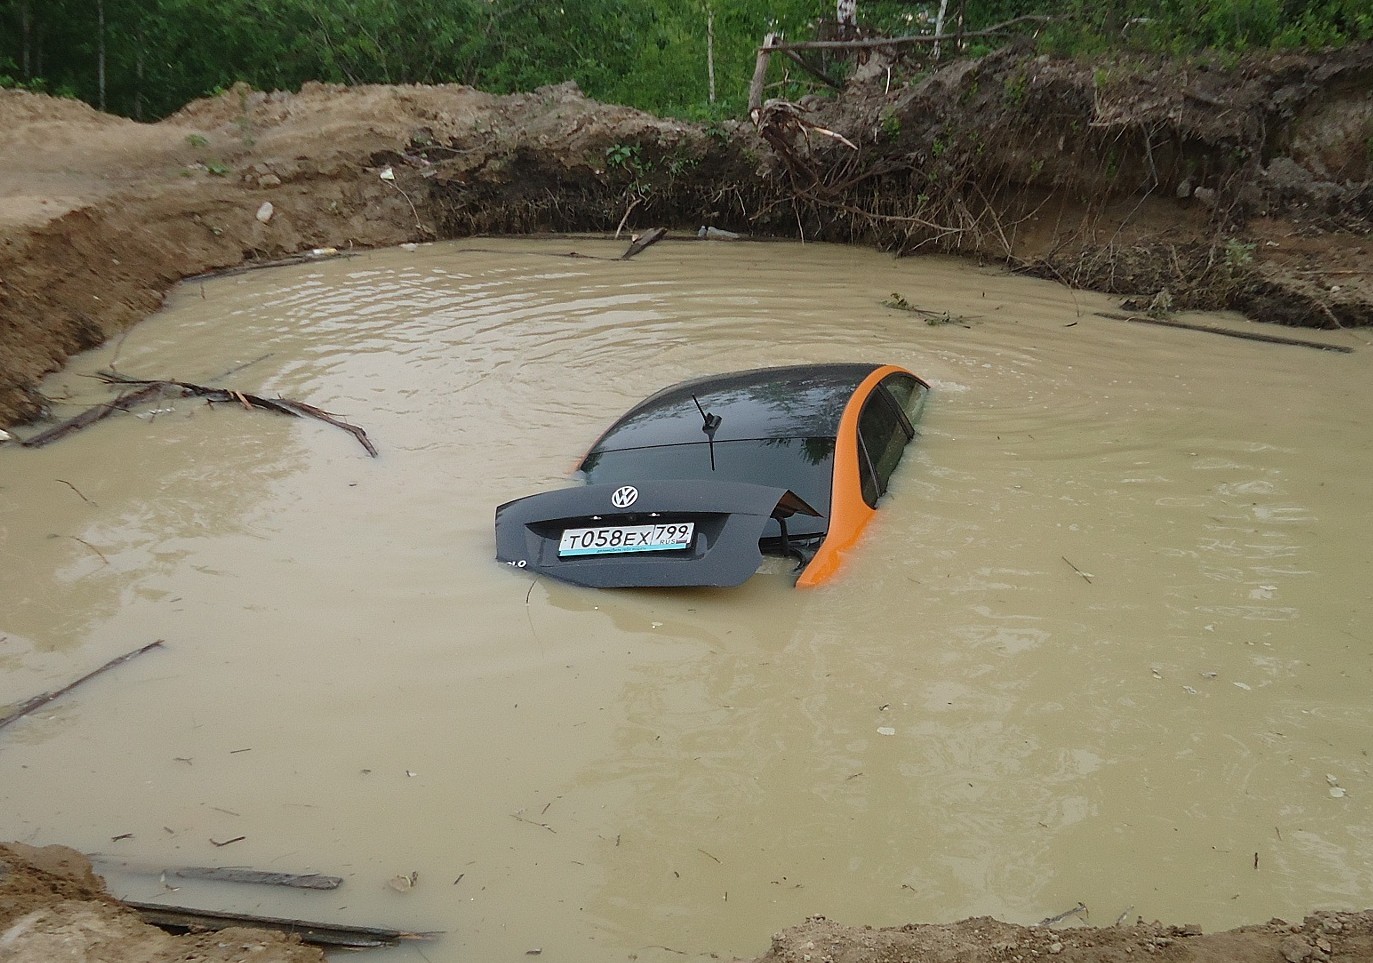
<point x="624" y="497"/>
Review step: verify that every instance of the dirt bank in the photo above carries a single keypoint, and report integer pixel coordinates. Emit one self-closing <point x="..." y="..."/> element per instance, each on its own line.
<point x="52" y="907"/>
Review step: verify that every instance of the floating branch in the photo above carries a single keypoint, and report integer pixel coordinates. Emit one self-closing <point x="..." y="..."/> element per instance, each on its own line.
<point x="162" y="388"/>
<point x="42" y="700"/>
<point x="90" y="416"/>
<point x="184" y="918"/>
<point x="1211" y="329"/>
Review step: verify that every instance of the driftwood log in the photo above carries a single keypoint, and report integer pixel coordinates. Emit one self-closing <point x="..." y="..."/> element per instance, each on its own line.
<point x="1226" y="332"/>
<point x="181" y="919"/>
<point x="649" y="237"/>
<point x="155" y="388"/>
<point x="238" y="874"/>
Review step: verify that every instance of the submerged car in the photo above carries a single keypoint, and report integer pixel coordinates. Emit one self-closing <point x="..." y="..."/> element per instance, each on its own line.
<point x="695" y="484"/>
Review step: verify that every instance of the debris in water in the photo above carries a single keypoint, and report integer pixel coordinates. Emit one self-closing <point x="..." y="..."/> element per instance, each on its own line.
<point x="1087" y="576"/>
<point x="1079" y="910"/>
<point x="886" y="731"/>
<point x="403" y="883"/>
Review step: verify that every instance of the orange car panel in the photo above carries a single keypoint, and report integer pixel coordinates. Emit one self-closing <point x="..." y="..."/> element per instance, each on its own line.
<point x="849" y="513"/>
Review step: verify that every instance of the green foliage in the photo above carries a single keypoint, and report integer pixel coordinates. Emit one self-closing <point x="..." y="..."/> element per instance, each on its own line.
<point x="1238" y="254"/>
<point x="891" y="123"/>
<point x="1017" y="86"/>
<point x="648" y="53"/>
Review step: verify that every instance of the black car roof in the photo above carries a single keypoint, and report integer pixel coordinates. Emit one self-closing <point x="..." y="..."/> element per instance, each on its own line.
<point x="799" y="401"/>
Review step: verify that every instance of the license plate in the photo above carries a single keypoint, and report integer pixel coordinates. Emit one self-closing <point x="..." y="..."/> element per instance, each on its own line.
<point x="617" y="539"/>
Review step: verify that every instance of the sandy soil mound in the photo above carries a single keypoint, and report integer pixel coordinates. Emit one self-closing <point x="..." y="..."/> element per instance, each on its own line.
<point x="53" y="908"/>
<point x="1343" y="937"/>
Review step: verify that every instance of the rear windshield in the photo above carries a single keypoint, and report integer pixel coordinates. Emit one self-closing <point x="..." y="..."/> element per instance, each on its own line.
<point x="804" y="465"/>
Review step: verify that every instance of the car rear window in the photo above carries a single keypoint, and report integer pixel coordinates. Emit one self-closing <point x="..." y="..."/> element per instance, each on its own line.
<point x="803" y="465"/>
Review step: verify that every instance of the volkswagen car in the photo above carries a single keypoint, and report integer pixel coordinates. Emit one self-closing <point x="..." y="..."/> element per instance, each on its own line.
<point x="695" y="484"/>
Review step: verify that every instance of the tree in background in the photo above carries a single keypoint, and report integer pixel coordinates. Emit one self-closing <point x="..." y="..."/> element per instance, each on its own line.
<point x="145" y="58"/>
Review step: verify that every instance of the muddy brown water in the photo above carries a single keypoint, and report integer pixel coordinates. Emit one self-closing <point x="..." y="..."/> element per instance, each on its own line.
<point x="1106" y="642"/>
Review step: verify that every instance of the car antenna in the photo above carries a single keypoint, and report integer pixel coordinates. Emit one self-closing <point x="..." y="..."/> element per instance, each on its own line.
<point x="711" y="421"/>
<point x="709" y="424"/>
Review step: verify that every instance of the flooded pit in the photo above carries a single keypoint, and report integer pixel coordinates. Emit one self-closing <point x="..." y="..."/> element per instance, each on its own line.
<point x="1104" y="642"/>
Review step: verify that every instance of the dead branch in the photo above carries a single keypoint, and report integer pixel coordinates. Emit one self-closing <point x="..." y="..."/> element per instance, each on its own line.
<point x="901" y="41"/>
<point x="91" y="415"/>
<point x="42" y="700"/>
<point x="150" y="388"/>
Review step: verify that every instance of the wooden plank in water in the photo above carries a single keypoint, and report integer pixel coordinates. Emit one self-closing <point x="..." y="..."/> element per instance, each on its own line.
<point x="237" y="874"/>
<point x="185" y="918"/>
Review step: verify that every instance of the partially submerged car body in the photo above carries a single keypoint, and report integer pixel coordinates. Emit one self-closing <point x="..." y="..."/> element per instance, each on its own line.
<point x="694" y="484"/>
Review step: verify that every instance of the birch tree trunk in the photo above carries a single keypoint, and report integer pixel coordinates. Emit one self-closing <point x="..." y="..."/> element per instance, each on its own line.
<point x="710" y="50"/>
<point x="100" y="57"/>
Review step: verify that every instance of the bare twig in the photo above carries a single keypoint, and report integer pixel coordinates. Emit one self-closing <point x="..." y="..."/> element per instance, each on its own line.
<point x="1079" y="571"/>
<point x="77" y="490"/>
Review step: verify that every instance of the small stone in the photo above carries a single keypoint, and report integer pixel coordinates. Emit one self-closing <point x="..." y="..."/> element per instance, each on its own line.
<point x="269" y="180"/>
<point x="1055" y="948"/>
<point x="1323" y="944"/>
<point x="265" y="212"/>
<point x="1190" y="929"/>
